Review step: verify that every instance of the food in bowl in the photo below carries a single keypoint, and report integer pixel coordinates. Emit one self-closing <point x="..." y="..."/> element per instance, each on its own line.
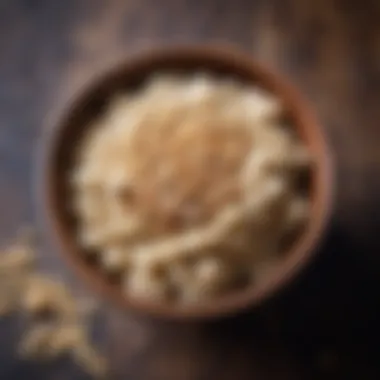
<point x="185" y="189"/>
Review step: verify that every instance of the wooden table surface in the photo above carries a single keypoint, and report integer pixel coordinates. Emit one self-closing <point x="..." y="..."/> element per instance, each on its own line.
<point x="325" y="326"/>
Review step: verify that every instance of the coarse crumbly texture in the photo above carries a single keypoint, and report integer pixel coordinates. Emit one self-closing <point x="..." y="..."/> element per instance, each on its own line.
<point x="56" y="322"/>
<point x="192" y="175"/>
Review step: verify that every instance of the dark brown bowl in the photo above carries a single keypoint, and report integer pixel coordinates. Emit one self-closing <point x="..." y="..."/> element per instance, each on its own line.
<point x="57" y="157"/>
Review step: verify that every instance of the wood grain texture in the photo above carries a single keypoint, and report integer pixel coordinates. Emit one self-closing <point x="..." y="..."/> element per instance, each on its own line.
<point x="326" y="324"/>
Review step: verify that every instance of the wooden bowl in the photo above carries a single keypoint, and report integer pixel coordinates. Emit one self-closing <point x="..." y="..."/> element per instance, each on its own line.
<point x="57" y="157"/>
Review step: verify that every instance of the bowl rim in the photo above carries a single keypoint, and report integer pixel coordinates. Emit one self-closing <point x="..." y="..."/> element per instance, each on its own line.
<point x="298" y="258"/>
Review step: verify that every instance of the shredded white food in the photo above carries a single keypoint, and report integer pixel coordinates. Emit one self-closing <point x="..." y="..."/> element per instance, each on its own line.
<point x="189" y="172"/>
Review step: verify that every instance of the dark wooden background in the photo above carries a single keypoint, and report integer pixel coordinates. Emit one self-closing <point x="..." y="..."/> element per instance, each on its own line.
<point x="326" y="326"/>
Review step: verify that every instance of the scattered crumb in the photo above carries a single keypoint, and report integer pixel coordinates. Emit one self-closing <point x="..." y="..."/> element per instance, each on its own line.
<point x="87" y="357"/>
<point x="47" y="295"/>
<point x="16" y="258"/>
<point x="62" y="330"/>
<point x="35" y="343"/>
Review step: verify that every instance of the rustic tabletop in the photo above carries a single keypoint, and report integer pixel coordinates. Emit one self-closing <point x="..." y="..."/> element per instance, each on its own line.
<point x="326" y="325"/>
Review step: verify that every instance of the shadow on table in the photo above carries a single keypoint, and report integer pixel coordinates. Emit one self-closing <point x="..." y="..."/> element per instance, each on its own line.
<point x="328" y="319"/>
<point x="325" y="324"/>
